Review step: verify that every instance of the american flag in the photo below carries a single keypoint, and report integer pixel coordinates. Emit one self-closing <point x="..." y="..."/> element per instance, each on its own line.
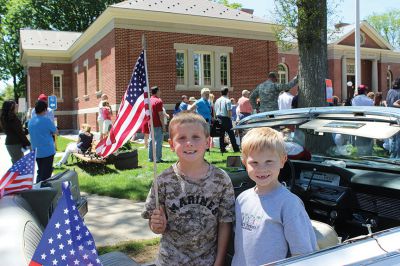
<point x="132" y="111"/>
<point x="66" y="239"/>
<point x="20" y="176"/>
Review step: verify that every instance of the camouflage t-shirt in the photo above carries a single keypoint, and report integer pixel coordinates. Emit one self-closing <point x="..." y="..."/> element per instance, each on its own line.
<point x="193" y="211"/>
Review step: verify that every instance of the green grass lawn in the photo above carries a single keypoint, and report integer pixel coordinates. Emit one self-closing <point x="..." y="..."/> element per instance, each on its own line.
<point x="131" y="184"/>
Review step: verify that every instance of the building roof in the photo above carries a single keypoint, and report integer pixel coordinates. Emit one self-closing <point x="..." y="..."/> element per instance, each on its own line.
<point x="47" y="39"/>
<point x="204" y="8"/>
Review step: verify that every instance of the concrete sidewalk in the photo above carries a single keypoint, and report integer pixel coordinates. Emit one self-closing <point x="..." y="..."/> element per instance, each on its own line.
<point x="110" y="220"/>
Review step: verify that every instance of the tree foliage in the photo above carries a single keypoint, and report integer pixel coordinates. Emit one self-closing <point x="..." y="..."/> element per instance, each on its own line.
<point x="306" y="22"/>
<point x="18" y="14"/>
<point x="388" y="25"/>
<point x="231" y="5"/>
<point x="69" y="15"/>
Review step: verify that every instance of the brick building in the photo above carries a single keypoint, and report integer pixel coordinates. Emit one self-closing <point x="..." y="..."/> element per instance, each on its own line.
<point x="191" y="44"/>
<point x="380" y="63"/>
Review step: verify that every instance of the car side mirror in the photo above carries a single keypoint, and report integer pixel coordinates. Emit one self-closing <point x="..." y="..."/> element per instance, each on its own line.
<point x="234" y="162"/>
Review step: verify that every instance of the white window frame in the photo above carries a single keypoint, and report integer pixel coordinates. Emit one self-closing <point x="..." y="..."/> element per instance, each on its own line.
<point x="86" y="78"/>
<point x="99" y="74"/>
<point x="389" y="75"/>
<point x="228" y="69"/>
<point x="185" y="66"/>
<point x="201" y="68"/>
<point x="283" y="72"/>
<point x="215" y="53"/>
<point x="59" y="74"/>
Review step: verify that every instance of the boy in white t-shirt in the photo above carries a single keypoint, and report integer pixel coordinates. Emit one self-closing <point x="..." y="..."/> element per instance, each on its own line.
<point x="271" y="222"/>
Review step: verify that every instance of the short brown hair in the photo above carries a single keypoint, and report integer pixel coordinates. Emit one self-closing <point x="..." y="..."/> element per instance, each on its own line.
<point x="258" y="139"/>
<point x="185" y="117"/>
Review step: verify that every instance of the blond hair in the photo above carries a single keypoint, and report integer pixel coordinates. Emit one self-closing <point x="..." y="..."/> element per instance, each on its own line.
<point x="204" y="91"/>
<point x="263" y="138"/>
<point x="86" y="128"/>
<point x="186" y="117"/>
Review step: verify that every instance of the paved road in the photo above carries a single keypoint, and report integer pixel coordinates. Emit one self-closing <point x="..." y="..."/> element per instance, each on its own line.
<point x="110" y="220"/>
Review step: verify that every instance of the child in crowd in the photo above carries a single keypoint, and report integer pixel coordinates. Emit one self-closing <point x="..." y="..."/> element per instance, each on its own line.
<point x="271" y="222"/>
<point x="106" y="114"/>
<point x="196" y="199"/>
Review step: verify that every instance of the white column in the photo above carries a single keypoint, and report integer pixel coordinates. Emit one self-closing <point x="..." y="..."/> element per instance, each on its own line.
<point x="357" y="46"/>
<point x="375" y="75"/>
<point x="344" y="78"/>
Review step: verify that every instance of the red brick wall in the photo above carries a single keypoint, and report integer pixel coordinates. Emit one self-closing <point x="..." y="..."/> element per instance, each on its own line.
<point x="106" y="46"/>
<point x="250" y="60"/>
<point x="42" y="82"/>
<point x="335" y="74"/>
<point x="369" y="43"/>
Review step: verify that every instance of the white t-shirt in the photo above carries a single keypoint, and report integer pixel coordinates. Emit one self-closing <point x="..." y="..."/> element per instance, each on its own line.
<point x="285" y="101"/>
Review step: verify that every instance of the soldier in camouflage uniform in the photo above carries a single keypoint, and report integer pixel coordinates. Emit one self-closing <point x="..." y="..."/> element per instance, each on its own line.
<point x="268" y="92"/>
<point x="196" y="199"/>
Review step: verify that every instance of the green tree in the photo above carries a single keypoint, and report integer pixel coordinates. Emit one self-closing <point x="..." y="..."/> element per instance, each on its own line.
<point x="6" y="94"/>
<point x="388" y="25"/>
<point x="231" y="5"/>
<point x="306" y="21"/>
<point x="18" y="14"/>
<point x="69" y="15"/>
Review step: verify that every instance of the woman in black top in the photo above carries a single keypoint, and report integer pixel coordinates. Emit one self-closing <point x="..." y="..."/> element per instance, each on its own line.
<point x="15" y="136"/>
<point x="84" y="143"/>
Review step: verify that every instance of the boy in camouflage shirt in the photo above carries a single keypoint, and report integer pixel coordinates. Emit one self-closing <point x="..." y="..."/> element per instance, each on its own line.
<point x="196" y="200"/>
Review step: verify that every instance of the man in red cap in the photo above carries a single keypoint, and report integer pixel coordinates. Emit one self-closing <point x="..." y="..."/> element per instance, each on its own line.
<point x="50" y="114"/>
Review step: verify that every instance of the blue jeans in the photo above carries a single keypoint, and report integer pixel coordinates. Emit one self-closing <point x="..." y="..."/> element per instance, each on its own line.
<point x="158" y="136"/>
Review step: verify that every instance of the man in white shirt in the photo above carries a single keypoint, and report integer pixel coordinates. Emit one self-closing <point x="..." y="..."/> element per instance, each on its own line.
<point x="285" y="100"/>
<point x="223" y="110"/>
<point x="364" y="145"/>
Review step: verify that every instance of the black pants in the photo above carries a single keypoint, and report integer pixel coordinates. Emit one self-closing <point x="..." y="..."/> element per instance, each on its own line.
<point x="45" y="168"/>
<point x="226" y="126"/>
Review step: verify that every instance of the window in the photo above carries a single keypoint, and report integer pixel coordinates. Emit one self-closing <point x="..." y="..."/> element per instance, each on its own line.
<point x="199" y="66"/>
<point x="98" y="75"/>
<point x="202" y="69"/>
<point x="224" y="69"/>
<point x="85" y="80"/>
<point x="57" y="83"/>
<point x="389" y="79"/>
<point x="180" y="68"/>
<point x="282" y="73"/>
<point x="57" y="86"/>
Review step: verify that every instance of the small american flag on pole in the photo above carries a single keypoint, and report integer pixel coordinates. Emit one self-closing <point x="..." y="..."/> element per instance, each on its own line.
<point x="20" y="176"/>
<point x="131" y="113"/>
<point x="66" y="239"/>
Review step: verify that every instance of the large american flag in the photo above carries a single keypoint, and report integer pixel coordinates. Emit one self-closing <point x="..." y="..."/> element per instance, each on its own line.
<point x="20" y="176"/>
<point x="131" y="113"/>
<point x="66" y="239"/>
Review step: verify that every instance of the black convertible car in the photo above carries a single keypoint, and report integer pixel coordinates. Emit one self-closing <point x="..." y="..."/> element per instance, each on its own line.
<point x="351" y="181"/>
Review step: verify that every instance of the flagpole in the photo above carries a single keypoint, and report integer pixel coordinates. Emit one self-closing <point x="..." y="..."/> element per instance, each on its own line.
<point x="153" y="144"/>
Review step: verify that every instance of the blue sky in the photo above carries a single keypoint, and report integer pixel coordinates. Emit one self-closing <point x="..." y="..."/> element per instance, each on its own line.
<point x="346" y="9"/>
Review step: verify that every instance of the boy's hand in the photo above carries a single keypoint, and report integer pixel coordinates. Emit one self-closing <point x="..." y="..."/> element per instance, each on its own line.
<point x="158" y="221"/>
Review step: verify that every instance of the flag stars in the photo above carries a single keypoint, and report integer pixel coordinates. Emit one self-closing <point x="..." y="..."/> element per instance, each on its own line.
<point x="59" y="236"/>
<point x="67" y="221"/>
<point x="61" y="246"/>
<point x="57" y="225"/>
<point x="51" y="240"/>
<point x="69" y="242"/>
<point x="76" y="217"/>
<point x="52" y="251"/>
<point x="94" y="251"/>
<point x="89" y="242"/>
<point x="72" y="252"/>
<point x="68" y="231"/>
<point x="77" y="228"/>
<point x="65" y="211"/>
<point x="55" y="262"/>
<point x="85" y="256"/>
<point x="43" y="256"/>
<point x="79" y="237"/>
<point x="80" y="247"/>
<point x="63" y="257"/>
<point x="76" y="262"/>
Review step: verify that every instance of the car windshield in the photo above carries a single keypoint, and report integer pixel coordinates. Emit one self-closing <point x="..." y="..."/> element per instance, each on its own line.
<point x="347" y="148"/>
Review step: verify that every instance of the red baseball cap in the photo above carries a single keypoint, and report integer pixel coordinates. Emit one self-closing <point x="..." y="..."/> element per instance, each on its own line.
<point x="42" y="97"/>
